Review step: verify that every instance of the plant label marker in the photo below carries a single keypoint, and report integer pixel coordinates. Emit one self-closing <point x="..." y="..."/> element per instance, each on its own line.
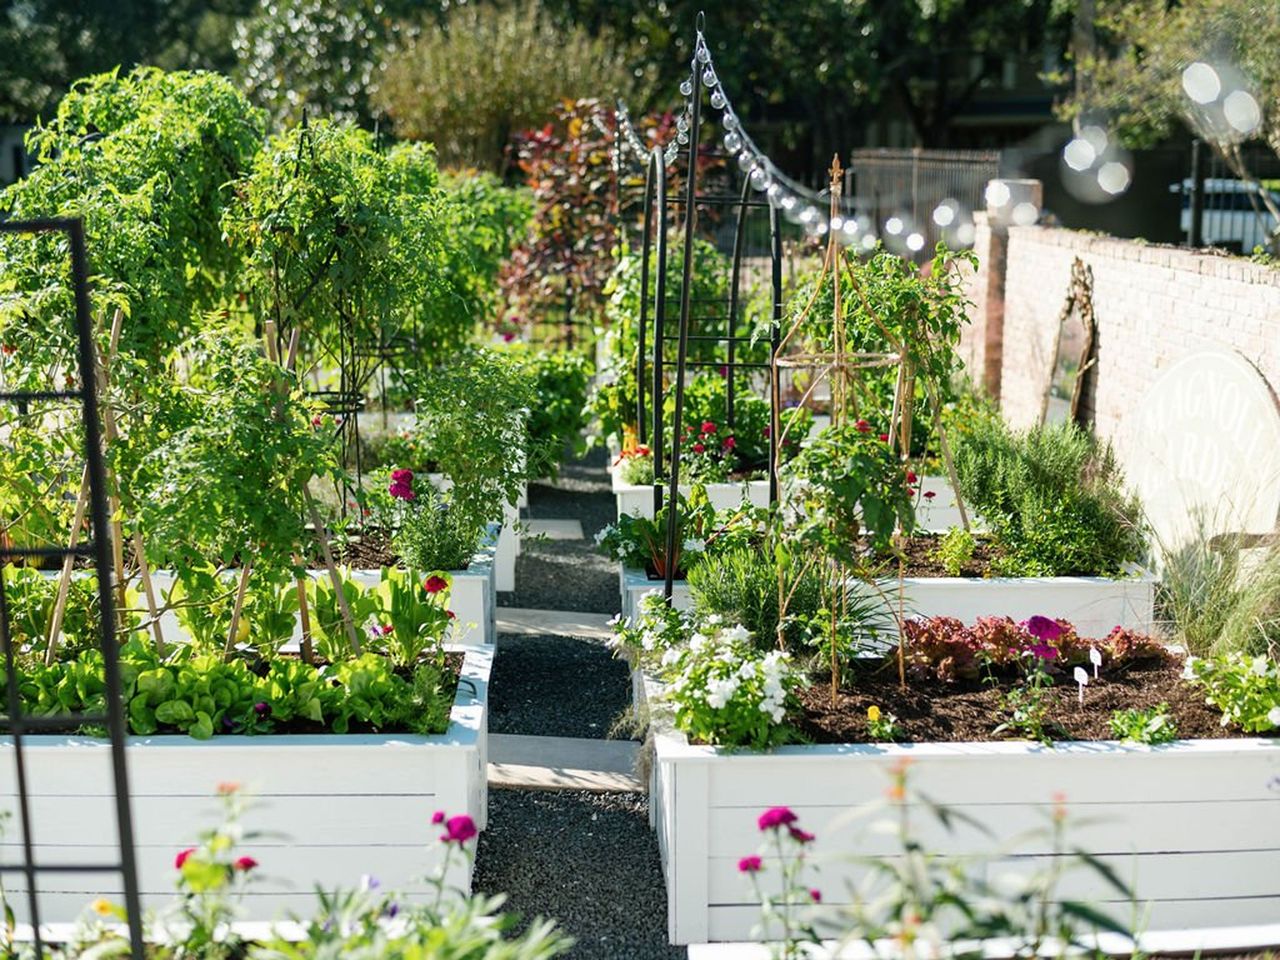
<point x="1095" y="657"/>
<point x="1082" y="678"/>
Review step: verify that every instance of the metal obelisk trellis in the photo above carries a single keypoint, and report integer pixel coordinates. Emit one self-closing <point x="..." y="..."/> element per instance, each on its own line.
<point x="98" y="550"/>
<point x="666" y="465"/>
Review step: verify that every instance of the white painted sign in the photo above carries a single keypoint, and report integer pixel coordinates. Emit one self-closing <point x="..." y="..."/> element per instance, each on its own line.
<point x="1203" y="446"/>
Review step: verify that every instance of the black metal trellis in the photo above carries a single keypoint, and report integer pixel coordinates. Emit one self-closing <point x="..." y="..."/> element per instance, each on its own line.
<point x="98" y="549"/>
<point x="654" y="263"/>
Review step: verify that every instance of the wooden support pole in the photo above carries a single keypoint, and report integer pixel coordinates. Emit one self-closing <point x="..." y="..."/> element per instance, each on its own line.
<point x="64" y="580"/>
<point x="241" y="588"/>
<point x="334" y="577"/>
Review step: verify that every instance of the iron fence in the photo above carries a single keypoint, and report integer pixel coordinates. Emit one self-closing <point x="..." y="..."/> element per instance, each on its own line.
<point x="907" y="186"/>
<point x="1233" y="205"/>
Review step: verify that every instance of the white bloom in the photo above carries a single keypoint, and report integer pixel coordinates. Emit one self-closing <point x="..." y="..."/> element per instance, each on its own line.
<point x="648" y="640"/>
<point x="670" y="656"/>
<point x="1260" y="665"/>
<point x="714" y="620"/>
<point x="693" y="545"/>
<point x="617" y="619"/>
<point x="720" y="691"/>
<point x="1274" y="716"/>
<point x="778" y="714"/>
<point x="735" y="634"/>
<point x="698" y="642"/>
<point x="602" y="533"/>
<point x="1188" y="668"/>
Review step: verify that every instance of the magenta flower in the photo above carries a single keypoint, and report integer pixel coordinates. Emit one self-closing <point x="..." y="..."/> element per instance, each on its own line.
<point x="182" y="857"/>
<point x="752" y="864"/>
<point x="1042" y="628"/>
<point x="815" y="895"/>
<point x="458" y="829"/>
<point x="776" y="817"/>
<point x="1044" y="651"/>
<point x="401" y="486"/>
<point x="245" y="864"/>
<point x="437" y="817"/>
<point x="801" y="836"/>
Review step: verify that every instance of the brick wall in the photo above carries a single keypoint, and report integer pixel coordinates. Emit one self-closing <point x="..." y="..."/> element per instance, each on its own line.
<point x="1153" y="305"/>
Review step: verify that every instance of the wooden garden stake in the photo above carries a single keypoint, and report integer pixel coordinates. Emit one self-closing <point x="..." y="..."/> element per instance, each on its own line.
<point x="149" y="590"/>
<point x="950" y="464"/>
<point x="336" y="580"/>
<point x="241" y="588"/>
<point x="64" y="581"/>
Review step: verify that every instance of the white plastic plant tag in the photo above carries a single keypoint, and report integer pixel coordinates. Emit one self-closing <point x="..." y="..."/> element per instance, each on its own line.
<point x="1082" y="678"/>
<point x="1095" y="657"/>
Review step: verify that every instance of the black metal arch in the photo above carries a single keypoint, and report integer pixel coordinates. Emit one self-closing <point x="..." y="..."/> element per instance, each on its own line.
<point x="18" y="724"/>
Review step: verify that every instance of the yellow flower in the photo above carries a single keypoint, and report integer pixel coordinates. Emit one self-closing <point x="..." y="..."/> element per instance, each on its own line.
<point x="873" y="713"/>
<point x="103" y="907"/>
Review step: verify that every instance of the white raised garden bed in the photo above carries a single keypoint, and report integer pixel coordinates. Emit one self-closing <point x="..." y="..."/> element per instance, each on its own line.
<point x="1193" y="826"/>
<point x="1093" y="604"/>
<point x="331" y="808"/>
<point x="637" y="500"/>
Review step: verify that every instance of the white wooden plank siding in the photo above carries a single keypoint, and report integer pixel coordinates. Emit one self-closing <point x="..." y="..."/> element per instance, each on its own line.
<point x="1193" y="825"/>
<point x="326" y="809"/>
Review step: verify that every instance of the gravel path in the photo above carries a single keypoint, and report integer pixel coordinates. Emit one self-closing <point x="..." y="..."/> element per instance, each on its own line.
<point x="569" y="574"/>
<point x="556" y="687"/>
<point x="587" y="859"/>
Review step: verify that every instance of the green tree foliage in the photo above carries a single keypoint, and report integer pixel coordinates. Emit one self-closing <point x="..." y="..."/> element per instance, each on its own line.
<point x="144" y="159"/>
<point x="489" y="71"/>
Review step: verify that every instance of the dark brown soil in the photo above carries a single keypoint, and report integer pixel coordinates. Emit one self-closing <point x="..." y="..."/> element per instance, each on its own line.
<point x="368" y="551"/>
<point x="932" y="711"/>
<point x="920" y="550"/>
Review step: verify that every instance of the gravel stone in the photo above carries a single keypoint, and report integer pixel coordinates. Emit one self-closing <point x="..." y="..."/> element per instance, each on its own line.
<point x="588" y="860"/>
<point x="551" y="686"/>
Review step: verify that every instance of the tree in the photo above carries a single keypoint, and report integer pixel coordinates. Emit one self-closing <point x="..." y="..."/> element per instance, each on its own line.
<point x="490" y="71"/>
<point x="47" y="44"/>
<point x="1208" y="65"/>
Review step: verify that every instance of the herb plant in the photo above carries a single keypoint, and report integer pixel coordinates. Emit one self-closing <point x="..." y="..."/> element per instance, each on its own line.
<point x="955" y="550"/>
<point x="1246" y="689"/>
<point x="1151" y="726"/>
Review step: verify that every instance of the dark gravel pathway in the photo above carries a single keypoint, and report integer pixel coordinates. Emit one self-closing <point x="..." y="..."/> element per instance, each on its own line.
<point x="556" y="687"/>
<point x="569" y="574"/>
<point x="587" y="859"/>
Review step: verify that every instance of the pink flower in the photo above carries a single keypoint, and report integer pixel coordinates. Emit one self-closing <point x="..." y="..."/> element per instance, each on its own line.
<point x="862" y="426"/>
<point x="1044" y="651"/>
<point x="317" y="421"/>
<point x="245" y="864"/>
<point x="815" y="895"/>
<point x="752" y="864"/>
<point x="437" y="817"/>
<point x="182" y="857"/>
<point x="435" y="583"/>
<point x="459" y="829"/>
<point x="801" y="836"/>
<point x="508" y="337"/>
<point x="776" y="817"/>
<point x="698" y="448"/>
<point x="1042" y="628"/>
<point x="708" y="427"/>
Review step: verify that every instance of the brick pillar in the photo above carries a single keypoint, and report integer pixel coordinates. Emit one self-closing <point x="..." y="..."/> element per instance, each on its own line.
<point x="1008" y="202"/>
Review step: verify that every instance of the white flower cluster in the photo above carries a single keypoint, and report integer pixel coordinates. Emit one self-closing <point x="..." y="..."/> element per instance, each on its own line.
<point x="719" y="667"/>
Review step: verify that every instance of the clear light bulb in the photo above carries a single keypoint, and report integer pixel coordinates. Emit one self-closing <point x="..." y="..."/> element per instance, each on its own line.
<point x="745" y="159"/>
<point x="732" y="142"/>
<point x="704" y="55"/>
<point x="730" y="121"/>
<point x="686" y="89"/>
<point x="717" y="99"/>
<point x="760" y="178"/>
<point x="708" y="77"/>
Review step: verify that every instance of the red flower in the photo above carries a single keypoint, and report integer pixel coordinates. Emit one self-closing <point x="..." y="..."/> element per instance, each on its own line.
<point x="911" y="477"/>
<point x="9" y="349"/>
<point x="882" y="437"/>
<point x="698" y="448"/>
<point x="708" y="427"/>
<point x="929" y="494"/>
<point x="451" y="615"/>
<point x="182" y="857"/>
<point x="862" y="426"/>
<point x="386" y="628"/>
<point x="435" y="583"/>
<point x="729" y="443"/>
<point x="752" y="864"/>
<point x="245" y="864"/>
<point x="776" y="817"/>
<point x="317" y="421"/>
<point x="459" y="829"/>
